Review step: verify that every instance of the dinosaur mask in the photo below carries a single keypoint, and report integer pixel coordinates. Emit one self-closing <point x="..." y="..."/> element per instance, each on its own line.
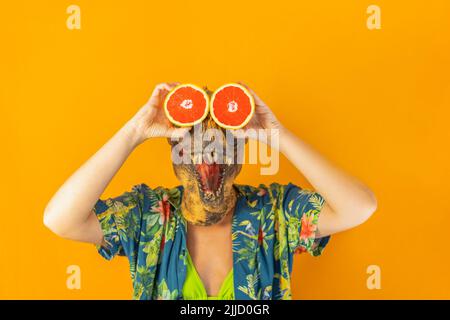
<point x="208" y="184"/>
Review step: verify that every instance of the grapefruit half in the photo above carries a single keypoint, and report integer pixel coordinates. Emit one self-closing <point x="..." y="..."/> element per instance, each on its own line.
<point x="186" y="105"/>
<point x="232" y="106"/>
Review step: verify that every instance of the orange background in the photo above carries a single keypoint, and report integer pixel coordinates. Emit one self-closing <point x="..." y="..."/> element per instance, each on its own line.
<point x="375" y="102"/>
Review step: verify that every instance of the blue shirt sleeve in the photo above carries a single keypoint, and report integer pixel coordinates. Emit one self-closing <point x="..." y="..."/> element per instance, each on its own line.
<point x="120" y="220"/>
<point x="302" y="209"/>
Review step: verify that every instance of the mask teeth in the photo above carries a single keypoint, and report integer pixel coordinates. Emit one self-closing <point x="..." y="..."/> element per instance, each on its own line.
<point x="219" y="190"/>
<point x="208" y="194"/>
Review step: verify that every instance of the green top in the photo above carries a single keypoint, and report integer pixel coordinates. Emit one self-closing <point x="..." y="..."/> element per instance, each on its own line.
<point x="193" y="288"/>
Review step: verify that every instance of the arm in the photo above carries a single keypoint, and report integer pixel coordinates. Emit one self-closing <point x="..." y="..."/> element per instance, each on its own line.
<point x="348" y="201"/>
<point x="69" y="213"/>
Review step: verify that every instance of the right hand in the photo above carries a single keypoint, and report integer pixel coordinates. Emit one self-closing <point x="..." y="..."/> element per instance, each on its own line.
<point x="150" y="121"/>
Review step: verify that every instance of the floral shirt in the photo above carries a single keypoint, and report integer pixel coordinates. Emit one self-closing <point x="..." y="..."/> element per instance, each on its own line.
<point x="270" y="224"/>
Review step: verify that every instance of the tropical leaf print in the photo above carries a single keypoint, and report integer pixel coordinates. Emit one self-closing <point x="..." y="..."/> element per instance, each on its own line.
<point x="164" y="293"/>
<point x="250" y="285"/>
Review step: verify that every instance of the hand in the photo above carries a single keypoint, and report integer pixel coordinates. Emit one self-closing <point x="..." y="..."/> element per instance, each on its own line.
<point x="150" y="121"/>
<point x="264" y="123"/>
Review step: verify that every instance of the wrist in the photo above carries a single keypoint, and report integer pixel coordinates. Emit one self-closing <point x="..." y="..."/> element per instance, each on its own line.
<point x="284" y="135"/>
<point x="132" y="134"/>
<point x="283" y="132"/>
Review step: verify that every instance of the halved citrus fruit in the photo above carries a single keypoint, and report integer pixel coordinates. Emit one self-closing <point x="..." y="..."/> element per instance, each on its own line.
<point x="232" y="106"/>
<point x="186" y="105"/>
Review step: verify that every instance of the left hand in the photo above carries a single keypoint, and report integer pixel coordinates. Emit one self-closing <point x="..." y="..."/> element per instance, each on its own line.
<point x="264" y="123"/>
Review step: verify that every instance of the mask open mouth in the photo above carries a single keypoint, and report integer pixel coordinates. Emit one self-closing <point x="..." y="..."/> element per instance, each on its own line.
<point x="210" y="179"/>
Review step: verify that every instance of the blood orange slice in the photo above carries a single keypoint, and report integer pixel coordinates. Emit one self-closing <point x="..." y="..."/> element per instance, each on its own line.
<point x="186" y="105"/>
<point x="232" y="106"/>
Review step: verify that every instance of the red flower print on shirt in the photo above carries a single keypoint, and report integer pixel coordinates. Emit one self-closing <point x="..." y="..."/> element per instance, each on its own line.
<point x="163" y="242"/>
<point x="299" y="250"/>
<point x="308" y="230"/>
<point x="261" y="235"/>
<point x="163" y="208"/>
